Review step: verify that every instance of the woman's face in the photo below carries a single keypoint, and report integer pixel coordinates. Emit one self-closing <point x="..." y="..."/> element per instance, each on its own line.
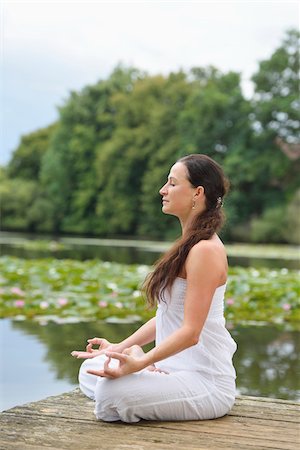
<point x="178" y="193"/>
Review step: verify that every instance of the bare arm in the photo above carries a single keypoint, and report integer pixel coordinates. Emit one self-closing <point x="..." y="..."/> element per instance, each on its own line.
<point x="144" y="335"/>
<point x="206" y="270"/>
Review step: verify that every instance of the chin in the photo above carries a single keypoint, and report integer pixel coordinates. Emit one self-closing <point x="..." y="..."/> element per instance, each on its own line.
<point x="166" y="210"/>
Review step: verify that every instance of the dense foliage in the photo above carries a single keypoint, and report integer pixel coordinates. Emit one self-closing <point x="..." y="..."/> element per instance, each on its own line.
<point x="98" y="169"/>
<point x="90" y="290"/>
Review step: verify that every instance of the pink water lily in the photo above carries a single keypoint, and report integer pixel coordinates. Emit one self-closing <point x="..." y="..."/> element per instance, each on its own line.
<point x="114" y="294"/>
<point x="102" y="304"/>
<point x="62" y="301"/>
<point x="230" y="302"/>
<point x="19" y="303"/>
<point x="44" y="305"/>
<point x="17" y="291"/>
<point x="119" y="305"/>
<point x="286" y="306"/>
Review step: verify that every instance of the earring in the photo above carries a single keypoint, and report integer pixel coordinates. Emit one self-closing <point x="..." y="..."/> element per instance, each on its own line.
<point x="219" y="202"/>
<point x="194" y="205"/>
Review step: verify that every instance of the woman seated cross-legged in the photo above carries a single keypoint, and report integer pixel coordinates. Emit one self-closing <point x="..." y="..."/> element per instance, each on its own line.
<point x="189" y="374"/>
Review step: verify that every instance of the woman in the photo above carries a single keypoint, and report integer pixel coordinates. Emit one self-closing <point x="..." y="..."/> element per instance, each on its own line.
<point x="188" y="375"/>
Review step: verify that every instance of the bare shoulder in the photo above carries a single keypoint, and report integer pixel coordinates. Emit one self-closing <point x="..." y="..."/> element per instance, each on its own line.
<point x="205" y="248"/>
<point x="208" y="257"/>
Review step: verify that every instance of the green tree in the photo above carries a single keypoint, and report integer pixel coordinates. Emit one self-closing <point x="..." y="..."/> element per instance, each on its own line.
<point x="17" y="196"/>
<point x="68" y="175"/>
<point x="276" y="136"/>
<point x="146" y="121"/>
<point x="26" y="159"/>
<point x="216" y="122"/>
<point x="99" y="168"/>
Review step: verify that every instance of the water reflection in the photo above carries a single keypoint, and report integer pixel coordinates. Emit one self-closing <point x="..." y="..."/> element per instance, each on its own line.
<point x="266" y="360"/>
<point x="122" y="255"/>
<point x="131" y="255"/>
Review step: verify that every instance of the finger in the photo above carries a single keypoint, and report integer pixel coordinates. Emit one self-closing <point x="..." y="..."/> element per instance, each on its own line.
<point x="84" y="355"/>
<point x="111" y="372"/>
<point x="89" y="348"/>
<point x="98" y="373"/>
<point x="75" y="353"/>
<point x="161" y="371"/>
<point x="95" y="341"/>
<point x="106" y="363"/>
<point x="120" y="356"/>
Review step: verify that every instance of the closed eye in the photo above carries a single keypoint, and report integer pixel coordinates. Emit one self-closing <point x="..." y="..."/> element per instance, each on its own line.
<point x="171" y="181"/>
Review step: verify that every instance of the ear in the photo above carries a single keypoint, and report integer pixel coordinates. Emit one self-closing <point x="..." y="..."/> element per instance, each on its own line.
<point x="199" y="192"/>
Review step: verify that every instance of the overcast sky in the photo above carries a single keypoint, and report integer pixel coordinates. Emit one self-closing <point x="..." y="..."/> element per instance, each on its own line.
<point x="52" y="47"/>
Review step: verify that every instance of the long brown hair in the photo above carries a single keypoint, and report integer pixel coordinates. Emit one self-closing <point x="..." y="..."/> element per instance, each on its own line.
<point x="201" y="171"/>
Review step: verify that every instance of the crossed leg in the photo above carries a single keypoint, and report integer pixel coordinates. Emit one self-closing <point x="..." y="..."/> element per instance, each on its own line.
<point x="87" y="382"/>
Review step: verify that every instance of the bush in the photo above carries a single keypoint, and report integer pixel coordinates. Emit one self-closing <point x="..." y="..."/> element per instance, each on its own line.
<point x="269" y="227"/>
<point x="291" y="231"/>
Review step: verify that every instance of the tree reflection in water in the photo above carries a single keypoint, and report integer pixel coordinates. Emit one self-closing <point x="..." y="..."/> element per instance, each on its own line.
<point x="266" y="360"/>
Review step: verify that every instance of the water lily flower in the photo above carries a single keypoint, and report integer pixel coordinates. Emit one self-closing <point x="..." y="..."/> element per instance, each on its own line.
<point x="230" y="302"/>
<point x="19" y="303"/>
<point x="119" y="305"/>
<point x="17" y="291"/>
<point x="44" y="305"/>
<point x="112" y="286"/>
<point x="114" y="294"/>
<point x="255" y="273"/>
<point x="136" y="294"/>
<point x="62" y="301"/>
<point x="102" y="304"/>
<point x="286" y="306"/>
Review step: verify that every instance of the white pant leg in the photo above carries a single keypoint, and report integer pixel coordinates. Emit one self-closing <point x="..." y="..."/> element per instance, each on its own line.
<point x="158" y="396"/>
<point x="87" y="382"/>
<point x="180" y="395"/>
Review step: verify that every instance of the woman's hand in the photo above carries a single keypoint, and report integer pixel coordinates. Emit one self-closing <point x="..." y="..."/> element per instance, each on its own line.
<point x="127" y="364"/>
<point x="104" y="345"/>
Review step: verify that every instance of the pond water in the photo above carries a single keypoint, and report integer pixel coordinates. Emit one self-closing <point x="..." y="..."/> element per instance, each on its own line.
<point x="132" y="252"/>
<point x="131" y="255"/>
<point x="36" y="361"/>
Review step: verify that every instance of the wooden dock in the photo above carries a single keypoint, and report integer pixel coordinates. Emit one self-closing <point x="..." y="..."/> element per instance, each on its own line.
<point x="67" y="422"/>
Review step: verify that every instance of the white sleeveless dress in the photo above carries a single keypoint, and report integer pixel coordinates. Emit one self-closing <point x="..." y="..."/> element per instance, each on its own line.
<point x="201" y="379"/>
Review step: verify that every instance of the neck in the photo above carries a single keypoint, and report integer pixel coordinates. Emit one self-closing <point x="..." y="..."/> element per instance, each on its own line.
<point x="186" y="221"/>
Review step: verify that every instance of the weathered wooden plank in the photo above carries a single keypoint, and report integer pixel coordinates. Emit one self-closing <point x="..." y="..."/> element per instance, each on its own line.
<point x="77" y="406"/>
<point x="258" y="399"/>
<point x="67" y="421"/>
<point x="242" y="425"/>
<point x="67" y="434"/>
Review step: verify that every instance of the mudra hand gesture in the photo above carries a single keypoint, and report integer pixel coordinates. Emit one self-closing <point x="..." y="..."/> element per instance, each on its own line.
<point x="104" y="345"/>
<point x="130" y="359"/>
<point x="129" y="362"/>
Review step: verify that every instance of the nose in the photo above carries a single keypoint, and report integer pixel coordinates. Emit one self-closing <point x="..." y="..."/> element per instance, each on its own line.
<point x="163" y="190"/>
